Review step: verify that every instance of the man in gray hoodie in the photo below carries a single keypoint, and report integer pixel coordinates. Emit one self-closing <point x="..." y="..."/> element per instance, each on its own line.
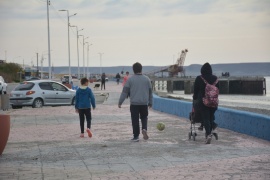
<point x="139" y="88"/>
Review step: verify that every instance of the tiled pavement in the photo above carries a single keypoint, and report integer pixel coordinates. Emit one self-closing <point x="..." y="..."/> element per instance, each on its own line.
<point x="45" y="144"/>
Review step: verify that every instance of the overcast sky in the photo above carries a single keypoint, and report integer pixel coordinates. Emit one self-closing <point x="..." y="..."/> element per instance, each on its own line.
<point x="152" y="32"/>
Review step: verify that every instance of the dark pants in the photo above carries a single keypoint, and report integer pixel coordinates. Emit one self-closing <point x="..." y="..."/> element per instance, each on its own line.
<point x="207" y="115"/>
<point x="138" y="112"/>
<point x="87" y="114"/>
<point x="102" y="84"/>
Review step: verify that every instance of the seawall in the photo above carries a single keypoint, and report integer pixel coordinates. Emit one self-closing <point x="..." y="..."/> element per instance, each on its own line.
<point x="239" y="121"/>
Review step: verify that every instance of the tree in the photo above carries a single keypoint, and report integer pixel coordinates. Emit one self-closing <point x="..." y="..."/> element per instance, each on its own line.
<point x="9" y="71"/>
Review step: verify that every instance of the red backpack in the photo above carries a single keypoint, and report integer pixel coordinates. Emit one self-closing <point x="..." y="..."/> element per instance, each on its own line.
<point x="210" y="98"/>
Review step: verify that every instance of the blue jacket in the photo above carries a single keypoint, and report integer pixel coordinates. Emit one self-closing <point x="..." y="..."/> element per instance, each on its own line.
<point x="84" y="98"/>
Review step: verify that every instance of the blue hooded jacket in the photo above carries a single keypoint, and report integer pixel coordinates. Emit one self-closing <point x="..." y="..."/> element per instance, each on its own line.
<point x="84" y="98"/>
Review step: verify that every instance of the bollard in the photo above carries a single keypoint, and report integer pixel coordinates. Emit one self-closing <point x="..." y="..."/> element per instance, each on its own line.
<point x="4" y="131"/>
<point x="4" y="102"/>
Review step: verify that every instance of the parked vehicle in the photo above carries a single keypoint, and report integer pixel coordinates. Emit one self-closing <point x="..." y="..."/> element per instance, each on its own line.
<point x="65" y="79"/>
<point x="40" y="93"/>
<point x="34" y="78"/>
<point x="3" y="86"/>
<point x="99" y="79"/>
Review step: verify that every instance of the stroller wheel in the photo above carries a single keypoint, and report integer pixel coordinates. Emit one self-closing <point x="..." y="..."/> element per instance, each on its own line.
<point x="189" y="135"/>
<point x="216" y="135"/>
<point x="194" y="137"/>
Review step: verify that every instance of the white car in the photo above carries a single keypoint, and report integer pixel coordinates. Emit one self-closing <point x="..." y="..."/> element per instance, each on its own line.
<point x="40" y="93"/>
<point x="3" y="86"/>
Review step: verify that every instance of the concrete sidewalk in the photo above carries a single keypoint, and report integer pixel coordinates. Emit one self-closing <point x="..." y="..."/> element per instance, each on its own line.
<point x="45" y="144"/>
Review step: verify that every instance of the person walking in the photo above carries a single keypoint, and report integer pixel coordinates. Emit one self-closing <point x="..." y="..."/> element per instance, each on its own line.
<point x="103" y="79"/>
<point x="83" y="101"/>
<point x="117" y="78"/>
<point x="140" y="89"/>
<point x="207" y="113"/>
<point x="125" y="78"/>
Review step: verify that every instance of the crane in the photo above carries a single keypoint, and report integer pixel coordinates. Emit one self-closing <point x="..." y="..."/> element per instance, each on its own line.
<point x="179" y="65"/>
<point x="174" y="69"/>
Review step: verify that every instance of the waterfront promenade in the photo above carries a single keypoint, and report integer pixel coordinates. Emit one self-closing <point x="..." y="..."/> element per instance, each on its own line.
<point x="45" y="144"/>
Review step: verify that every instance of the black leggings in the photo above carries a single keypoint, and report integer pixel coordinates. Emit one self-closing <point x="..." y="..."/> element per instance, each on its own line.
<point x="87" y="114"/>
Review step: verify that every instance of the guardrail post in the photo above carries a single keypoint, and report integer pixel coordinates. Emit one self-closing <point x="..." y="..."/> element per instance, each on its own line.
<point x="4" y="102"/>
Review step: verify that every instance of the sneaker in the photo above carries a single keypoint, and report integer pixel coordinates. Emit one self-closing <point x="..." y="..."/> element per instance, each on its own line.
<point x="135" y="139"/>
<point x="89" y="132"/>
<point x="82" y="135"/>
<point x="145" y="136"/>
<point x="208" y="139"/>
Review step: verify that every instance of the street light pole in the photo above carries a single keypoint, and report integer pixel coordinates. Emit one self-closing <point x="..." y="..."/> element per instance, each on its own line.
<point x="83" y="55"/>
<point x="49" y="51"/>
<point x="78" y="50"/>
<point x="88" y="45"/>
<point x="69" y="70"/>
<point x="100" y="56"/>
<point x="37" y="75"/>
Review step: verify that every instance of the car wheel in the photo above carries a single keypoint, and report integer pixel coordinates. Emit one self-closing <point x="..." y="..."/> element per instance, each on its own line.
<point x="73" y="101"/>
<point x="38" y="103"/>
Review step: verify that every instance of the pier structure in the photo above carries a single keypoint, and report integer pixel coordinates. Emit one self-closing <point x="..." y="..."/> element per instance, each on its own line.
<point x="227" y="85"/>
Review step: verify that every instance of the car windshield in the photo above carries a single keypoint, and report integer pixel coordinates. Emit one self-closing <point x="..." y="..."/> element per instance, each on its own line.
<point x="24" y="86"/>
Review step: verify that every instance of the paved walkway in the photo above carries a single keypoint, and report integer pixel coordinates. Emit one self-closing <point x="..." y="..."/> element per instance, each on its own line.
<point x="44" y="144"/>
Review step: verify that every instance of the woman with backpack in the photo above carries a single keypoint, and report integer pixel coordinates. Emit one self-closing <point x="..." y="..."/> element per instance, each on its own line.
<point x="205" y="99"/>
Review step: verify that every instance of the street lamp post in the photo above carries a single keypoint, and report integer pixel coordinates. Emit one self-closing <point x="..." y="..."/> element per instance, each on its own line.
<point x="88" y="45"/>
<point x="69" y="71"/>
<point x="100" y="56"/>
<point x="78" y="50"/>
<point x="49" y="55"/>
<point x="83" y="55"/>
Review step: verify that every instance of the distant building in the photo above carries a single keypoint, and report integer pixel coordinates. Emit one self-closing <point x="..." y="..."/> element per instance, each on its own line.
<point x="2" y="61"/>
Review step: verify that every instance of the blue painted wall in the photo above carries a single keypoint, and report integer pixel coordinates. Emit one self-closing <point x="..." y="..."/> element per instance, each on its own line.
<point x="239" y="121"/>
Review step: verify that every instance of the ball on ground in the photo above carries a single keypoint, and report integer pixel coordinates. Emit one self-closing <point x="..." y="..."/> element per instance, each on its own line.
<point x="160" y="126"/>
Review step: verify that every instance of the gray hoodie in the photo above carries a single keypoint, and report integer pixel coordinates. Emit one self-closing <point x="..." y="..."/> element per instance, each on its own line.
<point x="140" y="89"/>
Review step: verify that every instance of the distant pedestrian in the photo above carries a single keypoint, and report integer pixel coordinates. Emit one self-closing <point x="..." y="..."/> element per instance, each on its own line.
<point x="125" y="80"/>
<point x="117" y="78"/>
<point x="140" y="89"/>
<point x="83" y="101"/>
<point x="207" y="113"/>
<point x="103" y="79"/>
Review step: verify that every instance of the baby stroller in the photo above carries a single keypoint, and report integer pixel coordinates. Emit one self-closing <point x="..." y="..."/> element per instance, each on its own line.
<point x="195" y="117"/>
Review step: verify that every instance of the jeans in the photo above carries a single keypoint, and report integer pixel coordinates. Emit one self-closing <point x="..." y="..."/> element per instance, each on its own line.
<point x="207" y="115"/>
<point x="85" y="113"/>
<point x="138" y="112"/>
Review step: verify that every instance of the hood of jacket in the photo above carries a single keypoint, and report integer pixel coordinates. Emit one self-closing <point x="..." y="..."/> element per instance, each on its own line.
<point x="83" y="89"/>
<point x="206" y="69"/>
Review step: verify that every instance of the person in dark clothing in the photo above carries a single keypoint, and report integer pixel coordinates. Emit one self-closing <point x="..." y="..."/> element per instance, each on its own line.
<point x="207" y="113"/>
<point x="141" y="98"/>
<point x="103" y="79"/>
<point x="117" y="78"/>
